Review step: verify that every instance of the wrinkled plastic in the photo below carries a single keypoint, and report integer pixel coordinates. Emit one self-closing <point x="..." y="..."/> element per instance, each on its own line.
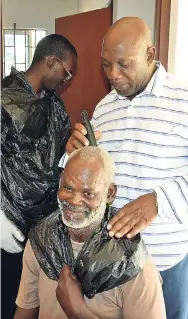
<point x="103" y="262"/>
<point x="106" y="263"/>
<point x="34" y="134"/>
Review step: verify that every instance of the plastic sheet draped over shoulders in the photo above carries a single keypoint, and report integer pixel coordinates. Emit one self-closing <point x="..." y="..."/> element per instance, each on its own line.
<point x="103" y="262"/>
<point x="34" y="134"/>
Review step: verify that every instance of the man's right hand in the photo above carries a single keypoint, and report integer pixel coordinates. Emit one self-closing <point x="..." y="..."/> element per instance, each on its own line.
<point x="11" y="236"/>
<point x="78" y="139"/>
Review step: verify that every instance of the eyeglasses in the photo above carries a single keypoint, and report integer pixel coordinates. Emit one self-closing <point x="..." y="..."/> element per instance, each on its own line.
<point x="69" y="75"/>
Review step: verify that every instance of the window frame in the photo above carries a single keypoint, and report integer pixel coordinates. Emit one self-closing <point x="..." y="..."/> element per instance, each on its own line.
<point x="28" y="48"/>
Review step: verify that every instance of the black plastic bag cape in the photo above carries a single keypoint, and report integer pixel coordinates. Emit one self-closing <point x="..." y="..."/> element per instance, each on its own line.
<point x="33" y="138"/>
<point x="103" y="262"/>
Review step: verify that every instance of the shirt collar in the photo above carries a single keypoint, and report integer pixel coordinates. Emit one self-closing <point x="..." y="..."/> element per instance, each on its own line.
<point x="155" y="85"/>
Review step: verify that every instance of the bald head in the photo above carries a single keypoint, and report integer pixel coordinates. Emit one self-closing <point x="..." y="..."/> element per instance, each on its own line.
<point x="130" y="31"/>
<point x="128" y="56"/>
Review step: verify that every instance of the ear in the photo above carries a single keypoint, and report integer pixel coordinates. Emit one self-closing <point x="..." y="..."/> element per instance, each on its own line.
<point x="150" y="54"/>
<point x="111" y="193"/>
<point x="50" y="61"/>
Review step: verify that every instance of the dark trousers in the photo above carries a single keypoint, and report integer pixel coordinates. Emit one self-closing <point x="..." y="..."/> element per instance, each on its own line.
<point x="11" y="268"/>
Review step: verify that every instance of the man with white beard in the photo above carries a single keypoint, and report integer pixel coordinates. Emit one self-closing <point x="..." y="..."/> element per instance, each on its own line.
<point x="86" y="187"/>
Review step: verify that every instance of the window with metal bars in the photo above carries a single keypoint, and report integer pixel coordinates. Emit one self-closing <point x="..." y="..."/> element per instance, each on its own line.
<point x="19" y="46"/>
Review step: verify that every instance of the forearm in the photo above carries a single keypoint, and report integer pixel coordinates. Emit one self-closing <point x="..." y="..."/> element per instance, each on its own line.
<point x="70" y="297"/>
<point x="84" y="313"/>
<point x="172" y="199"/>
<point x="26" y="313"/>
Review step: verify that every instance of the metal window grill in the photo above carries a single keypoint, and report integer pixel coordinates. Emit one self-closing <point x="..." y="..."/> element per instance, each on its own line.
<point x="19" y="46"/>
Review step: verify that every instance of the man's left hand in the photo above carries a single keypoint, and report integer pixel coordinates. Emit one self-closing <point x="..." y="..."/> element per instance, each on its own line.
<point x="134" y="217"/>
<point x="69" y="294"/>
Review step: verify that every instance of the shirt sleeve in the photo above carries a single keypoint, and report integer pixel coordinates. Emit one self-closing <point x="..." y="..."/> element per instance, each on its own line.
<point x="172" y="199"/>
<point x="93" y="122"/>
<point x="142" y="297"/>
<point x="63" y="160"/>
<point x="65" y="157"/>
<point x="27" y="297"/>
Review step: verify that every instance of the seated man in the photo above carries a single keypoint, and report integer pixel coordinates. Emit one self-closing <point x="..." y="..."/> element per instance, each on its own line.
<point x="86" y="187"/>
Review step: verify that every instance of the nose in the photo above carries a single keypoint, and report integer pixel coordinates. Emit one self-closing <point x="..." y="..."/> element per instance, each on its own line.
<point x="74" y="199"/>
<point x="115" y="73"/>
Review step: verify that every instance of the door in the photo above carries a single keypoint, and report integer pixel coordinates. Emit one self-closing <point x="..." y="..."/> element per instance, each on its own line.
<point x="162" y="27"/>
<point x="85" y="31"/>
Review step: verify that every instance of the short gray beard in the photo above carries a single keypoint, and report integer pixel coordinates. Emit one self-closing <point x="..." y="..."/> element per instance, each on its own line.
<point x="93" y="219"/>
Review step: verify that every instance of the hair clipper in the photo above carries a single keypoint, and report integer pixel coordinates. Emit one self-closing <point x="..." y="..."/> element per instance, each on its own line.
<point x="90" y="134"/>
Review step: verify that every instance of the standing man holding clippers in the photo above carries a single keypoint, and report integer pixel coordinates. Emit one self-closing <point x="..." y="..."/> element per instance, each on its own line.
<point x="144" y="125"/>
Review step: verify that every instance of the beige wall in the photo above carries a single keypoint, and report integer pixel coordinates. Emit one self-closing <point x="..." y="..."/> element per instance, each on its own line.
<point x="144" y="9"/>
<point x="178" y="43"/>
<point x="89" y="5"/>
<point x="172" y="36"/>
<point x="37" y="13"/>
<point x="42" y="13"/>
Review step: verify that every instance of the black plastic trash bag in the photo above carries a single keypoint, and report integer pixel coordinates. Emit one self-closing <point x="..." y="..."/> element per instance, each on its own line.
<point x="103" y="262"/>
<point x="33" y="138"/>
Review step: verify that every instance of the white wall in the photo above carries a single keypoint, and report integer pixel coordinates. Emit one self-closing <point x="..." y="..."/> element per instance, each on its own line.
<point x="178" y="44"/>
<point x="144" y="9"/>
<point x="173" y="36"/>
<point x="37" y="13"/>
<point x="181" y="50"/>
<point x="89" y="5"/>
<point x="42" y="13"/>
